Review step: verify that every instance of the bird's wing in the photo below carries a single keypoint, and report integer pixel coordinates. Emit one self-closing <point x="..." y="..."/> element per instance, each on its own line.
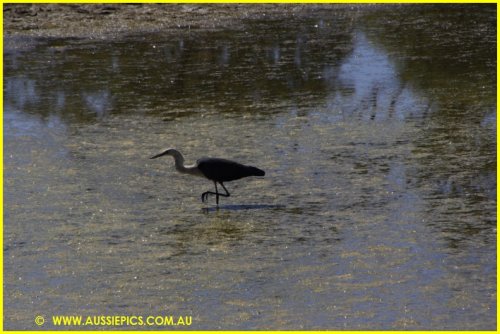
<point x="222" y="170"/>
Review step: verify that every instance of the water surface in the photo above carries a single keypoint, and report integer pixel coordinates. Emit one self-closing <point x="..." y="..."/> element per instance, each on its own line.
<point x="376" y="127"/>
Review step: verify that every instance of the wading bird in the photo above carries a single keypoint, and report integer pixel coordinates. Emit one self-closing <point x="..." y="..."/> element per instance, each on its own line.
<point x="215" y="169"/>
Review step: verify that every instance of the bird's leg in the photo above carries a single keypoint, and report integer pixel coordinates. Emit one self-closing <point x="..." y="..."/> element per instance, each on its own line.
<point x="227" y="194"/>
<point x="204" y="196"/>
<point x="216" y="194"/>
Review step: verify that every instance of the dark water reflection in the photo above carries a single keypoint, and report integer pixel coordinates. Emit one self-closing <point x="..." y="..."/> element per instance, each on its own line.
<point x="243" y="207"/>
<point x="376" y="127"/>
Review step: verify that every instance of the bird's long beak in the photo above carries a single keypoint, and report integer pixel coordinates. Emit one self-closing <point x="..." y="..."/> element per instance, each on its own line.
<point x="159" y="155"/>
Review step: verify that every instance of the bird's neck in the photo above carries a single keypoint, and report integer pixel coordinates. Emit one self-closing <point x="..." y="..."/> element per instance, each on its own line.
<point x="179" y="165"/>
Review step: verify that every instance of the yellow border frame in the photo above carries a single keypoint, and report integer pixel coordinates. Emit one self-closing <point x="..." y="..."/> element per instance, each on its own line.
<point x="241" y="1"/>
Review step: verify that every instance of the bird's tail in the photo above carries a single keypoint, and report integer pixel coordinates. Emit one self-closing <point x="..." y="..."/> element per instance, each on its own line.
<point x="254" y="171"/>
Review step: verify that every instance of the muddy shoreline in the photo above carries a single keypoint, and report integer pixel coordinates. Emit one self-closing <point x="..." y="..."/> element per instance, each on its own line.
<point x="102" y="21"/>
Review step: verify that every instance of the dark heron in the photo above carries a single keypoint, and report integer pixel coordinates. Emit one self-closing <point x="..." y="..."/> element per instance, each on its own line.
<point x="215" y="169"/>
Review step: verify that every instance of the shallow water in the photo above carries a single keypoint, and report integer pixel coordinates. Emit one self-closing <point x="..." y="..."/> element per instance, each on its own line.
<point x="376" y="128"/>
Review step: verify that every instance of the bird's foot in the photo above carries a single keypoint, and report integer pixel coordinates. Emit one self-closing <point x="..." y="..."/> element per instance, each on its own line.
<point x="204" y="196"/>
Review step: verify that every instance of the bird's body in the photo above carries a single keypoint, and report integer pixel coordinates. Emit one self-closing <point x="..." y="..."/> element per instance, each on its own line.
<point x="215" y="169"/>
<point x="222" y="170"/>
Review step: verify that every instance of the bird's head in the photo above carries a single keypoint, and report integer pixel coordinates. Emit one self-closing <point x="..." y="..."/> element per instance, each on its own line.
<point x="170" y="151"/>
